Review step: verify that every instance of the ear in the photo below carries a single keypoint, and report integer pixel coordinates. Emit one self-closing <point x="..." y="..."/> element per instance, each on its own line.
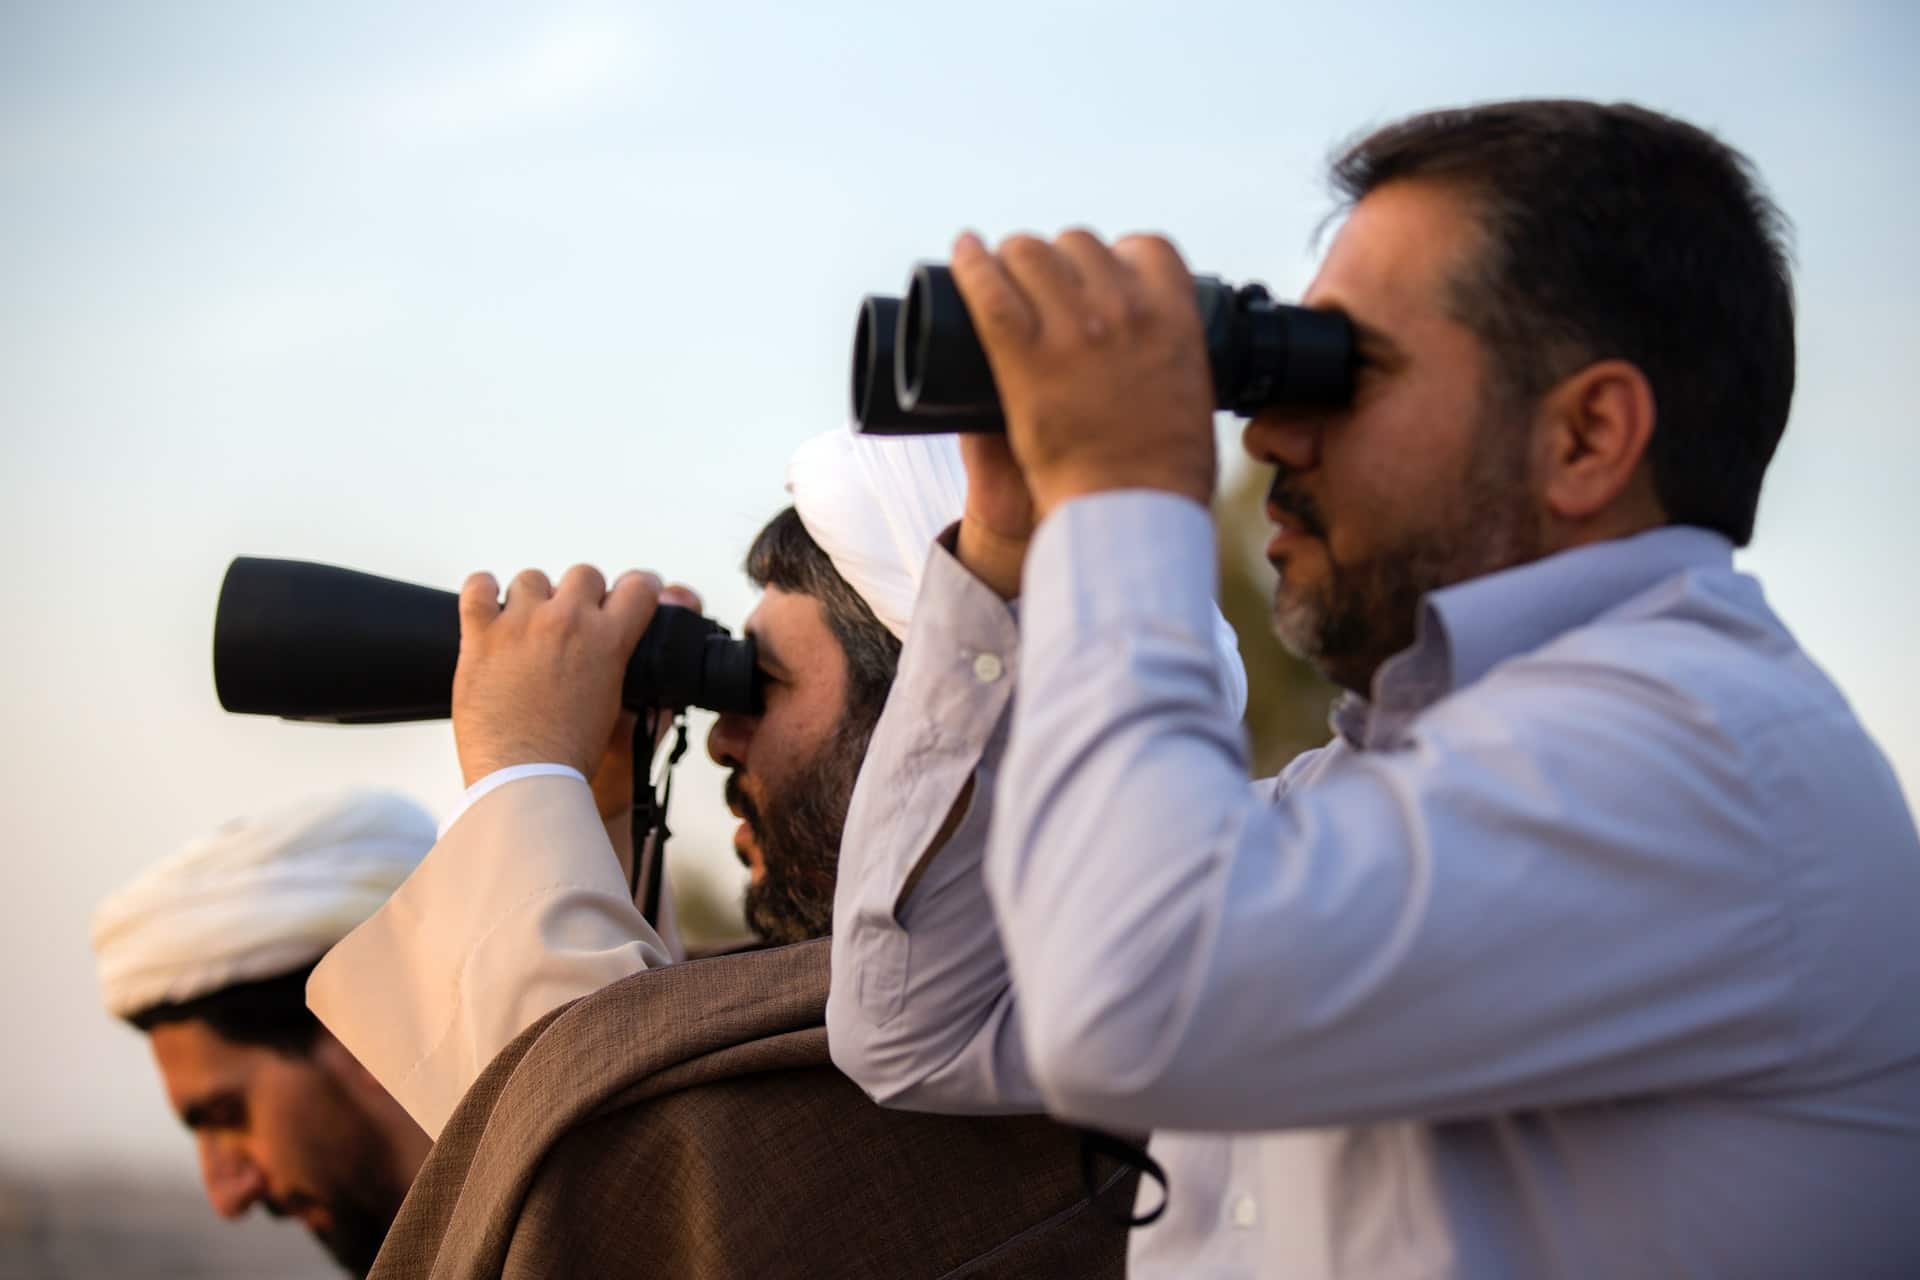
<point x="1596" y="425"/>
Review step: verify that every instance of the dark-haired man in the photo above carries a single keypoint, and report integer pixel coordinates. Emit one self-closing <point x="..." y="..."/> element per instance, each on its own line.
<point x="208" y="953"/>
<point x="1585" y="947"/>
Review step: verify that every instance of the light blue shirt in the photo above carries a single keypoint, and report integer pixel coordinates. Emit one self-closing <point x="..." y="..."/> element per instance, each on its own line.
<point x="1587" y="948"/>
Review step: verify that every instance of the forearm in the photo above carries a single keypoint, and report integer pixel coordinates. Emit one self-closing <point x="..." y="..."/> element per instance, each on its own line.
<point x="520" y="908"/>
<point x="1121" y="787"/>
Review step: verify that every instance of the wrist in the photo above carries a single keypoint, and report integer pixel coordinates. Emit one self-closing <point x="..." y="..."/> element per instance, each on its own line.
<point x="481" y="764"/>
<point x="996" y="559"/>
<point x="1059" y="486"/>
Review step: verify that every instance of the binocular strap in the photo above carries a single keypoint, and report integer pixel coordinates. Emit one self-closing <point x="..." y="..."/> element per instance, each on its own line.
<point x="1130" y="1156"/>
<point x="649" y="813"/>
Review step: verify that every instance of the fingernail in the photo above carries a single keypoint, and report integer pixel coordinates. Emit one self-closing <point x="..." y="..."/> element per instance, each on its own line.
<point x="967" y="243"/>
<point x="647" y="576"/>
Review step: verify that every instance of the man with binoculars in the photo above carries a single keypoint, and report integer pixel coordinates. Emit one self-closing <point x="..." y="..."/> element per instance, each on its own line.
<point x="599" y="1109"/>
<point x="1585" y="947"/>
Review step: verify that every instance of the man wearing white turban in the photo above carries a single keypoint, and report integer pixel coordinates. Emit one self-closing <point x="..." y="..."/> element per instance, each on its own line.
<point x="525" y="903"/>
<point x="523" y="907"/>
<point x="208" y="953"/>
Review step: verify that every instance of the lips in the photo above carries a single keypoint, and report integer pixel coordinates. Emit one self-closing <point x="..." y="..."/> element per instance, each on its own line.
<point x="1294" y="514"/>
<point x="746" y="837"/>
<point x="1285" y="538"/>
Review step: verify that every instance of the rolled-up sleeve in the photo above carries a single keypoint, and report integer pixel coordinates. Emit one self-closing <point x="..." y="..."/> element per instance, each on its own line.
<point x="521" y="907"/>
<point x="921" y="1011"/>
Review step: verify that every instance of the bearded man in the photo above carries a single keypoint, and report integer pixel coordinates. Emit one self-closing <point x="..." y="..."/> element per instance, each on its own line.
<point x="208" y="953"/>
<point x="1585" y="947"/>
<point x="684" y="1120"/>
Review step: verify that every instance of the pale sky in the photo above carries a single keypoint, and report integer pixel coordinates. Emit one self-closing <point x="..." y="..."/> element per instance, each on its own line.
<point x="489" y="286"/>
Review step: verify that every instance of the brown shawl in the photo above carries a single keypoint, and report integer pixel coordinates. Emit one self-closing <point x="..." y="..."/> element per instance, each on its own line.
<point x="686" y="1122"/>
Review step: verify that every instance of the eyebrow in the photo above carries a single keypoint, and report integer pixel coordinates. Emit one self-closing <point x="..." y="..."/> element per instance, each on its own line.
<point x="212" y="1112"/>
<point x="764" y="653"/>
<point x="1365" y="335"/>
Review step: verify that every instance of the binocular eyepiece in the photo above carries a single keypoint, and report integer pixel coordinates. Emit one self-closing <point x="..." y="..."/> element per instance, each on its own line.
<point x="918" y="368"/>
<point x="314" y="642"/>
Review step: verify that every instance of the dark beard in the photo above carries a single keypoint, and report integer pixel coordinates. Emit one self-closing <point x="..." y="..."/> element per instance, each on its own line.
<point x="1366" y="612"/>
<point x="362" y="1199"/>
<point x="358" y="1231"/>
<point x="798" y="832"/>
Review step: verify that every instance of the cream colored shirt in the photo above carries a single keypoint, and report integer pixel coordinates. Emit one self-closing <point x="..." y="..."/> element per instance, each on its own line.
<point x="522" y="906"/>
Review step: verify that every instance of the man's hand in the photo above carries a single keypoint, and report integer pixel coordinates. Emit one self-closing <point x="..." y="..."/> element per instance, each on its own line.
<point x="539" y="680"/>
<point x="998" y="521"/>
<point x="1100" y="363"/>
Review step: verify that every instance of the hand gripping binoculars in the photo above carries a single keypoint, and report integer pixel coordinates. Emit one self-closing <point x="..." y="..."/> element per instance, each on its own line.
<point x="918" y="368"/>
<point x="314" y="642"/>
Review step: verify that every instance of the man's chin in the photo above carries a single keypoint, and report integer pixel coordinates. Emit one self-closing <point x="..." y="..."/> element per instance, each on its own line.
<point x="776" y="914"/>
<point x="1298" y="624"/>
<point x="353" y="1239"/>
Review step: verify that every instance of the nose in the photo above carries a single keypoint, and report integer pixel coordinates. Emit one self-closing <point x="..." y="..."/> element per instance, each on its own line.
<point x="727" y="742"/>
<point x="234" y="1182"/>
<point x="1286" y="439"/>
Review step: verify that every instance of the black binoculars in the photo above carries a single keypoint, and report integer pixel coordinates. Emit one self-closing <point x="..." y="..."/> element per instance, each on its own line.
<point x="918" y="368"/>
<point x="310" y="641"/>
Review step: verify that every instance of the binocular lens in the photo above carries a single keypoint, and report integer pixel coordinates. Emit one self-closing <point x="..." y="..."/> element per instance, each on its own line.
<point x="894" y="357"/>
<point x="875" y="405"/>
<point x="939" y="364"/>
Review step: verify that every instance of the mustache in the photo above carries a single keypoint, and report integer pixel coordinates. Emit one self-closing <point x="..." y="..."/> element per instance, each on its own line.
<point x="1296" y="503"/>
<point x="741" y="803"/>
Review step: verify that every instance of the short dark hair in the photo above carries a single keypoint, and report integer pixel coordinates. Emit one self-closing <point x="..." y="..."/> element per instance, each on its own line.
<point x="271" y="1012"/>
<point x="1613" y="231"/>
<point x="784" y="555"/>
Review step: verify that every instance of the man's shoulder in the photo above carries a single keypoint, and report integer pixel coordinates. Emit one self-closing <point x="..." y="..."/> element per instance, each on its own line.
<point x="796" y="1171"/>
<point x="1703" y="644"/>
<point x="741" y="1151"/>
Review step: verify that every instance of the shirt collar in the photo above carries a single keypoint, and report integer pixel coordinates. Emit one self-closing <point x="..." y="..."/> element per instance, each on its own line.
<point x="1465" y="630"/>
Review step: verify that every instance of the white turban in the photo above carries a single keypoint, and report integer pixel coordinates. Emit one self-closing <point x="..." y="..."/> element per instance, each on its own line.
<point x="261" y="896"/>
<point x="875" y="505"/>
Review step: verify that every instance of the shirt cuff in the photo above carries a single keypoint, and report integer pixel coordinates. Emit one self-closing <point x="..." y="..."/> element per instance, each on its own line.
<point x="500" y="778"/>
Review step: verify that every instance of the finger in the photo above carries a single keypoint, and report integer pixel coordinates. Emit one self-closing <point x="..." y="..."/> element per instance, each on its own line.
<point x="1107" y="285"/>
<point x="631" y="603"/>
<point x="479" y="602"/>
<point x="1163" y="277"/>
<point x="583" y="583"/>
<point x="1001" y="314"/>
<point x="1047" y="277"/>
<point x="683" y="595"/>
<point x="528" y="588"/>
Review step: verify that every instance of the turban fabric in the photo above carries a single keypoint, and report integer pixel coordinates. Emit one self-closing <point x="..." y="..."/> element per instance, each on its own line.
<point x="875" y="506"/>
<point x="259" y="897"/>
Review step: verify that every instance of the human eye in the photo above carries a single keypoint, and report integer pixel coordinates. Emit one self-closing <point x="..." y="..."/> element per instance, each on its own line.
<point x="227" y="1111"/>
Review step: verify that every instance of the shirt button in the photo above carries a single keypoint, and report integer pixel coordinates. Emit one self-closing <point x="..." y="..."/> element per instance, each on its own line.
<point x="1245" y="1212"/>
<point x="987" y="668"/>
